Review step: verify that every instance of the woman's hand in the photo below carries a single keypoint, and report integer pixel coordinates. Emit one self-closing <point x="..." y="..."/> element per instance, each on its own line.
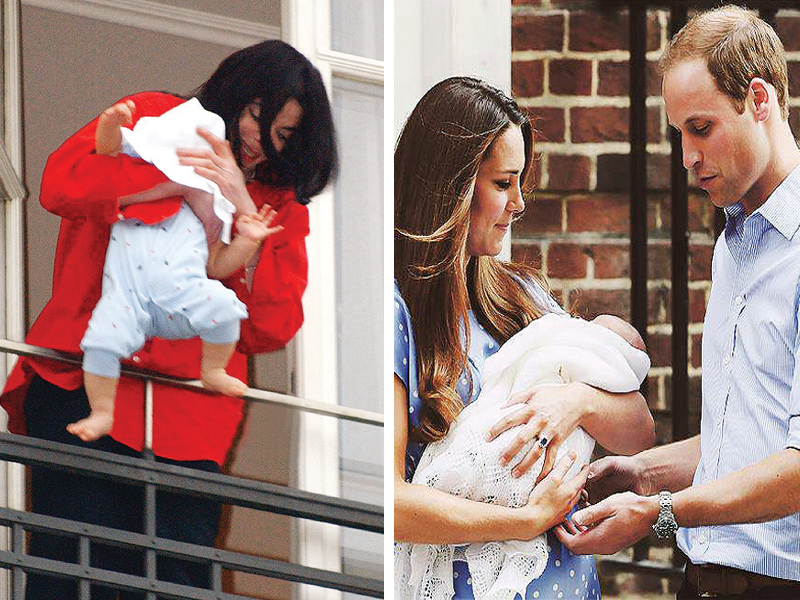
<point x="553" y="497"/>
<point x="219" y="165"/>
<point x="547" y="415"/>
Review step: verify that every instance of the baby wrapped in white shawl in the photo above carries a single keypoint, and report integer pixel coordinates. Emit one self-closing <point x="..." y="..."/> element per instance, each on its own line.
<point x="553" y="349"/>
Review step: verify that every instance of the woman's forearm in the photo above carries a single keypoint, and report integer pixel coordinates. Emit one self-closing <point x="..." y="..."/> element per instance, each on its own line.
<point x="429" y="516"/>
<point x="621" y="423"/>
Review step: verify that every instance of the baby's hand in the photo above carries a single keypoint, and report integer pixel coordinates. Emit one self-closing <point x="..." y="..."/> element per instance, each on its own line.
<point x="108" y="137"/>
<point x="256" y="227"/>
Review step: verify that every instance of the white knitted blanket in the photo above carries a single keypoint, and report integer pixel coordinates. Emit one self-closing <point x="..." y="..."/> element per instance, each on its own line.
<point x="554" y="349"/>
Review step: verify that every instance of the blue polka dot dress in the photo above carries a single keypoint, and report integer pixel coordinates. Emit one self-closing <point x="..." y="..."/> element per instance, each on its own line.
<point x="566" y="575"/>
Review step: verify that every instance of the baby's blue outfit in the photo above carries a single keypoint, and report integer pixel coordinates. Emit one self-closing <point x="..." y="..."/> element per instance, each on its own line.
<point x="155" y="285"/>
<point x="566" y="575"/>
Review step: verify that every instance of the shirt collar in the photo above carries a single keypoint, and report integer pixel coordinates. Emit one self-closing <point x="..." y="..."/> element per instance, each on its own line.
<point x="781" y="209"/>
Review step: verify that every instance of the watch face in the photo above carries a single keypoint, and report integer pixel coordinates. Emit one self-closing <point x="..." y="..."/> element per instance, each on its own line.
<point x="665" y="527"/>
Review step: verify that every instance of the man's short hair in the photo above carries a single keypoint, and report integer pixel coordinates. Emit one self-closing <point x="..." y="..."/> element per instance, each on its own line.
<point x="737" y="47"/>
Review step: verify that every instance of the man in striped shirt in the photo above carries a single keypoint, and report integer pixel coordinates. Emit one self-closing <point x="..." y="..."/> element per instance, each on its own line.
<point x="734" y="490"/>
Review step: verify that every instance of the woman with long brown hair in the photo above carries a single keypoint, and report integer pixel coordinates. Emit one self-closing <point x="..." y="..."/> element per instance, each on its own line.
<point x="461" y="162"/>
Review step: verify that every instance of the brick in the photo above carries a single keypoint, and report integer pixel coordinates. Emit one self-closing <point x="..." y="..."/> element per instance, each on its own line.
<point x="659" y="346"/>
<point x="541" y="216"/>
<point x="537" y="32"/>
<point x="657" y="229"/>
<point x="653" y="31"/>
<point x="570" y="77"/>
<point x="788" y="29"/>
<point x="696" y="358"/>
<point x="658" y="305"/>
<point x="701" y="213"/>
<point x="599" y="124"/>
<point x="566" y="261"/>
<point x="613" y="172"/>
<point x="610" y="124"/>
<point x="659" y="261"/>
<point x="793" y="70"/>
<point x="527" y="253"/>
<point x="598" y="212"/>
<point x="548" y="123"/>
<point x="527" y="78"/>
<point x="614" y="78"/>
<point x="697" y="306"/>
<point x="700" y="262"/>
<point x="568" y="172"/>
<point x="659" y="171"/>
<point x="590" y="302"/>
<point x="594" y="32"/>
<point x="611" y="260"/>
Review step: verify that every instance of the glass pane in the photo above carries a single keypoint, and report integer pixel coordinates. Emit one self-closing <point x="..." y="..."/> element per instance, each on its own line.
<point x="357" y="27"/>
<point x="359" y="206"/>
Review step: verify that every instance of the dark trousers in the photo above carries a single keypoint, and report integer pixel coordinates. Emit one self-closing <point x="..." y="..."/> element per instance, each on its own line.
<point x="787" y="591"/>
<point x="48" y="410"/>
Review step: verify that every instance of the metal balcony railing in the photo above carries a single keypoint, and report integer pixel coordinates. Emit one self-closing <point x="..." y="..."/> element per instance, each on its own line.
<point x="151" y="476"/>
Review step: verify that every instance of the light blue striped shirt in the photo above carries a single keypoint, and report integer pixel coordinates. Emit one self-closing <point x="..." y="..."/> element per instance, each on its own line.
<point x="751" y="383"/>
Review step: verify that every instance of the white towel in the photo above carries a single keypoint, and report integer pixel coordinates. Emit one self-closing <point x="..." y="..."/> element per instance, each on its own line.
<point x="156" y="139"/>
<point x="554" y="349"/>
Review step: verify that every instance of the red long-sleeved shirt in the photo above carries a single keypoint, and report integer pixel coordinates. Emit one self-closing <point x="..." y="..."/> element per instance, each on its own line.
<point x="83" y="188"/>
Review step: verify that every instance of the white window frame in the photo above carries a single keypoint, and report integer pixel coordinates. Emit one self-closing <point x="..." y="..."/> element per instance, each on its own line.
<point x="12" y="476"/>
<point x="306" y="24"/>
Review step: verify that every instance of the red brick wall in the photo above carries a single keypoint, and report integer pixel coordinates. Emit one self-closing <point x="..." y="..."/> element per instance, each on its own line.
<point x="570" y="71"/>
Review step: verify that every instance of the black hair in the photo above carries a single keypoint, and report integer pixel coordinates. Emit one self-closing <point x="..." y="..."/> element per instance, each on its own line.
<point x="274" y="72"/>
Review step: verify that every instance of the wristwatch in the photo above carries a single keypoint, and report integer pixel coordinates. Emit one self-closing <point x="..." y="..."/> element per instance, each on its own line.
<point x="665" y="525"/>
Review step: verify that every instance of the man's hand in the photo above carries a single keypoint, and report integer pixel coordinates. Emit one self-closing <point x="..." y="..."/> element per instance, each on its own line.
<point x="605" y="528"/>
<point x="614" y="474"/>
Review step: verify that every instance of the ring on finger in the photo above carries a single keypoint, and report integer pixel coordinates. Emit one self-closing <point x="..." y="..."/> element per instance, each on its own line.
<point x="543" y="441"/>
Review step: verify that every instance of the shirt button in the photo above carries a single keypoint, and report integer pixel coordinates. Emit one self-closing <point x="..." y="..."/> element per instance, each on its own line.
<point x="727" y="359"/>
<point x="120" y="216"/>
<point x="243" y="280"/>
<point x="701" y="539"/>
<point x="738" y="300"/>
<point x="136" y="359"/>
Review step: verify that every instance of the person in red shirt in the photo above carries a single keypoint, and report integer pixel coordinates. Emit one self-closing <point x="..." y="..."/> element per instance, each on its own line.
<point x="280" y="152"/>
<point x="172" y="296"/>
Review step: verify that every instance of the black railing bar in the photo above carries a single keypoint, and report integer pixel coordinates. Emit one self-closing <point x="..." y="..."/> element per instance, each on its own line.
<point x="114" y="579"/>
<point x="17" y="574"/>
<point x="245" y="563"/>
<point x="259" y="495"/>
<point x="262" y="396"/>
<point x="216" y="576"/>
<point x="84" y="560"/>
<point x="637" y="33"/>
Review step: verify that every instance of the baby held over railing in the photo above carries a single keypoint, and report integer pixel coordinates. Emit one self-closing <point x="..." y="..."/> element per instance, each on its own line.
<point x="553" y="350"/>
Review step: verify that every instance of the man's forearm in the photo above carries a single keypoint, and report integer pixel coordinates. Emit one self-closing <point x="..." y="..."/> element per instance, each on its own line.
<point x="765" y="491"/>
<point x="670" y="467"/>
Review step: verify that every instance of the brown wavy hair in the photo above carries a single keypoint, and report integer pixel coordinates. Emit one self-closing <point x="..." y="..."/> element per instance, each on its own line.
<point x="447" y="136"/>
<point x="737" y="46"/>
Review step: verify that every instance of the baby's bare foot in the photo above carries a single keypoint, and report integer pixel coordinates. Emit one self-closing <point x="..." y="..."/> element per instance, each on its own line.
<point x="217" y="380"/>
<point x="108" y="136"/>
<point x="95" y="426"/>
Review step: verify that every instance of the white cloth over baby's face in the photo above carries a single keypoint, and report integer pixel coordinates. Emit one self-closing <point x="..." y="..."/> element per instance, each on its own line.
<point x="556" y="350"/>
<point x="156" y="139"/>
